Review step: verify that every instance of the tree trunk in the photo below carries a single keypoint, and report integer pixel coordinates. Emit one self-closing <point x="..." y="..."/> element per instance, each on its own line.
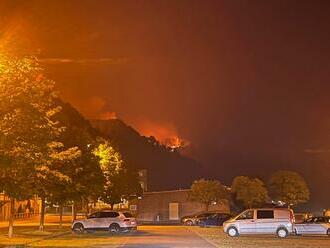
<point x="42" y="214"/>
<point x="207" y="207"/>
<point x="74" y="212"/>
<point x="61" y="215"/>
<point x="87" y="209"/>
<point x="111" y="205"/>
<point x="11" y="218"/>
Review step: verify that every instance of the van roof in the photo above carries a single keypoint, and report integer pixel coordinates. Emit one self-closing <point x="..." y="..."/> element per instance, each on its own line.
<point x="286" y="209"/>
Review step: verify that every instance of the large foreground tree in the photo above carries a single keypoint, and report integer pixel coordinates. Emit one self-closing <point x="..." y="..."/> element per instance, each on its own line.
<point x="29" y="132"/>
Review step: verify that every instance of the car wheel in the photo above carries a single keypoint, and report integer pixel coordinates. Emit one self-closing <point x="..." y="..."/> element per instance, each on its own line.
<point x="114" y="228"/>
<point x="232" y="231"/>
<point x="202" y="224"/>
<point x="78" y="228"/>
<point x="188" y="223"/>
<point x="282" y="232"/>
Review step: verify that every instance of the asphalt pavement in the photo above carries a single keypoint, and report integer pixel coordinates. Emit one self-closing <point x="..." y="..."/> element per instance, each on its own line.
<point x="165" y="237"/>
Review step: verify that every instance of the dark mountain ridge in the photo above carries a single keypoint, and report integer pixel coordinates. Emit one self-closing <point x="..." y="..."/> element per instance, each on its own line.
<point x="166" y="169"/>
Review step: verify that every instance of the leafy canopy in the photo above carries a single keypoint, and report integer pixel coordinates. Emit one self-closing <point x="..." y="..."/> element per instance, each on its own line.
<point x="289" y="187"/>
<point x="28" y="129"/>
<point x="250" y="192"/>
<point x="120" y="182"/>
<point x="207" y="191"/>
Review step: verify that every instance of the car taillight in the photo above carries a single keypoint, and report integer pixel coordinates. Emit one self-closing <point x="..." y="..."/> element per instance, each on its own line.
<point x="291" y="216"/>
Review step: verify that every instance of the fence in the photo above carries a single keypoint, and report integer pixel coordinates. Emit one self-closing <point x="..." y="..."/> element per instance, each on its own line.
<point x="24" y="215"/>
<point x="18" y="216"/>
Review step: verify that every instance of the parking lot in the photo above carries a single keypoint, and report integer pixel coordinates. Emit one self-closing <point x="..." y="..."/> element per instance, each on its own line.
<point x="183" y="237"/>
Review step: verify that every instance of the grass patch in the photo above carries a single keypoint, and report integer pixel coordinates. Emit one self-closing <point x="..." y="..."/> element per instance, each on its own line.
<point x="27" y="231"/>
<point x="220" y="239"/>
<point x="27" y="234"/>
<point x="96" y="239"/>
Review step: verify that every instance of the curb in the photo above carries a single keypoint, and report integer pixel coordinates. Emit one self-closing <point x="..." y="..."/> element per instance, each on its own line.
<point x="45" y="238"/>
<point x="199" y="235"/>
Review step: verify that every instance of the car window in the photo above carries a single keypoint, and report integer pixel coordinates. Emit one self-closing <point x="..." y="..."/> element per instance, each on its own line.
<point x="224" y="215"/>
<point x="94" y="215"/>
<point x="265" y="214"/>
<point x="217" y="216"/>
<point x="309" y="220"/>
<point x="321" y="220"/>
<point x="246" y="215"/>
<point x="109" y="215"/>
<point x="128" y="215"/>
<point x="221" y="216"/>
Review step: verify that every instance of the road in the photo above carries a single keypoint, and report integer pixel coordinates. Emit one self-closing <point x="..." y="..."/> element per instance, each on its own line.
<point x="165" y="237"/>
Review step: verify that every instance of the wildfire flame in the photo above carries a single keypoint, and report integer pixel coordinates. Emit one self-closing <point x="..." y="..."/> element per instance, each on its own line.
<point x="174" y="142"/>
<point x="165" y="133"/>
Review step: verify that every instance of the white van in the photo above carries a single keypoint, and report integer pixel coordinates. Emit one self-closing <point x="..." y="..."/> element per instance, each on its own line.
<point x="277" y="221"/>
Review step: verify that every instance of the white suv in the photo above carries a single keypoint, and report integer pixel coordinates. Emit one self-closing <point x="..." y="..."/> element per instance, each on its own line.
<point x="106" y="220"/>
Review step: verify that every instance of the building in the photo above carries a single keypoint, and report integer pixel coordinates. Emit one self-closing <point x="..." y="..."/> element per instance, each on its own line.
<point x="143" y="179"/>
<point x="170" y="206"/>
<point x="23" y="209"/>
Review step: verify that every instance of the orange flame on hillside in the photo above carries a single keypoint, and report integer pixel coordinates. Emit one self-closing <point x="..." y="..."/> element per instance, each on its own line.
<point x="165" y="133"/>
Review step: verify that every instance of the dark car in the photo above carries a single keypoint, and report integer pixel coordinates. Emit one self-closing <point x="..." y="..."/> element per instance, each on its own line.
<point x="192" y="220"/>
<point x="216" y="219"/>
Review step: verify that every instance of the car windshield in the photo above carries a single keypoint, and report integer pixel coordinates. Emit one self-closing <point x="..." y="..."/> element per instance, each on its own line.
<point x="314" y="220"/>
<point x="128" y="215"/>
<point x="246" y="215"/>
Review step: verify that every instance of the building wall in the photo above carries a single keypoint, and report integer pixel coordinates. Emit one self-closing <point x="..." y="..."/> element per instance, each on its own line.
<point x="22" y="208"/>
<point x="154" y="206"/>
<point x="143" y="179"/>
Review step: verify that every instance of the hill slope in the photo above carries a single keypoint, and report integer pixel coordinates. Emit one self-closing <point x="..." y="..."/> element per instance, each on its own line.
<point x="166" y="169"/>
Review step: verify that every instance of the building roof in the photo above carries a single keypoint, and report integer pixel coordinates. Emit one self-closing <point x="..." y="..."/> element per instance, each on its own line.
<point x="166" y="191"/>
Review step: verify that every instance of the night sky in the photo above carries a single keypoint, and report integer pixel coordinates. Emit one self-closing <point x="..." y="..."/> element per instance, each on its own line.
<point x="245" y="82"/>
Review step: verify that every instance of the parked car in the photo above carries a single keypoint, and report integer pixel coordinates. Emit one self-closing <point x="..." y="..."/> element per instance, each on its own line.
<point x="192" y="220"/>
<point x="301" y="217"/>
<point x="313" y="225"/>
<point x="277" y="221"/>
<point x="106" y="220"/>
<point x="216" y="219"/>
